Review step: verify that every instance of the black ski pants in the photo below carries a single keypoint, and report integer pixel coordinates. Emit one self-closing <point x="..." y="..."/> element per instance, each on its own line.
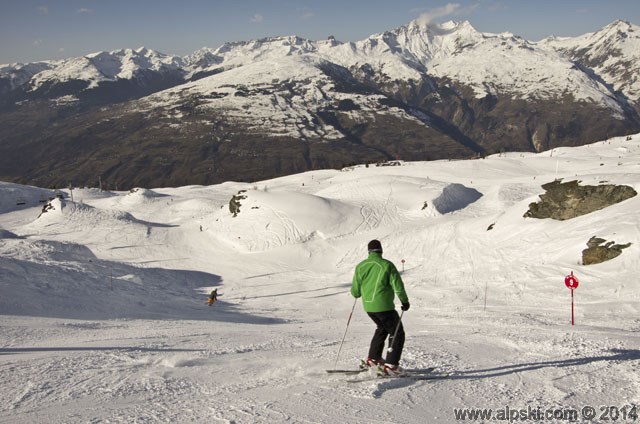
<point x="386" y="323"/>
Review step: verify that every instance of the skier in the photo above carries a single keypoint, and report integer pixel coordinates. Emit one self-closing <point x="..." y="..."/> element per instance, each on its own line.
<point x="377" y="280"/>
<point x="213" y="297"/>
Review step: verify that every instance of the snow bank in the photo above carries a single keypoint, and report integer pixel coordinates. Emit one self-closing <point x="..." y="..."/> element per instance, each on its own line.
<point x="16" y="197"/>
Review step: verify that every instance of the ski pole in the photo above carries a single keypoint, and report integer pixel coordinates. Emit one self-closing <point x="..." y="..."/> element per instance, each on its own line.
<point x="395" y="333"/>
<point x="345" y="333"/>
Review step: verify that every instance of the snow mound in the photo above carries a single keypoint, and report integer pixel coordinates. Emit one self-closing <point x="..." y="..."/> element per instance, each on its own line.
<point x="274" y="219"/>
<point x="398" y="197"/>
<point x="60" y="215"/>
<point x="139" y="196"/>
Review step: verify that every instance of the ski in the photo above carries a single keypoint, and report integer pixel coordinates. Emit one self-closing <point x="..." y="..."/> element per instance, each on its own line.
<point x="419" y="370"/>
<point x="415" y="374"/>
<point x="409" y="376"/>
<point x="418" y="374"/>
<point x="358" y="371"/>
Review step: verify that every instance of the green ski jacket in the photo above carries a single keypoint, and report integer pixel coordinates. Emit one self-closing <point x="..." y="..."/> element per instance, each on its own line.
<point x="376" y="280"/>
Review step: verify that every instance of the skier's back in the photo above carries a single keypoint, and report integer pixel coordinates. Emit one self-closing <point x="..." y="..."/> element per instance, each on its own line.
<point x="378" y="281"/>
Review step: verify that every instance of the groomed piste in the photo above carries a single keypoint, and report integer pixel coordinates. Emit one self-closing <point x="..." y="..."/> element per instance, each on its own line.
<point x="103" y="298"/>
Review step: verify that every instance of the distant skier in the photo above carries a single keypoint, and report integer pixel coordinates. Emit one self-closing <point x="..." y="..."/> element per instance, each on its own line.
<point x="377" y="280"/>
<point x="213" y="297"/>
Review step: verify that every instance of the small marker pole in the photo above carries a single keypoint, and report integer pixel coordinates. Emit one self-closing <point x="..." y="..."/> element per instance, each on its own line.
<point x="486" y="287"/>
<point x="573" y="322"/>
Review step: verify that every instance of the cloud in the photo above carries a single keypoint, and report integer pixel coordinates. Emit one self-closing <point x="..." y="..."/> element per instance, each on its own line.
<point x="449" y="9"/>
<point x="306" y="14"/>
<point x="433" y="14"/>
<point x="43" y="10"/>
<point x="61" y="50"/>
<point x="37" y="42"/>
<point x="85" y="11"/>
<point x="257" y="18"/>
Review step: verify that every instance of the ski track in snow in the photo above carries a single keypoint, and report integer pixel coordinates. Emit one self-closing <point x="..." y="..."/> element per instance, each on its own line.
<point x="103" y="315"/>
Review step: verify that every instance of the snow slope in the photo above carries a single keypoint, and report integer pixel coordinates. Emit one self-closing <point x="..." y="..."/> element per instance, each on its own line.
<point x="103" y="315"/>
<point x="277" y="96"/>
<point x="613" y="52"/>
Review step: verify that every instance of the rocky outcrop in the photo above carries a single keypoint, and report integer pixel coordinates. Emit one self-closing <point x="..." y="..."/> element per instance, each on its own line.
<point x="599" y="250"/>
<point x="234" y="203"/>
<point x="569" y="200"/>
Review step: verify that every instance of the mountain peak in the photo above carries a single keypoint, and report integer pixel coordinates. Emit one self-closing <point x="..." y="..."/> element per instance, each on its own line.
<point x="618" y="29"/>
<point x="427" y="40"/>
<point x="619" y="24"/>
<point x="422" y="25"/>
<point x="144" y="51"/>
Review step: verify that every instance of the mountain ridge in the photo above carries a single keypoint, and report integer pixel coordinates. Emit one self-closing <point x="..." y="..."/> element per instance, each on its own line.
<point x="423" y="44"/>
<point x="417" y="92"/>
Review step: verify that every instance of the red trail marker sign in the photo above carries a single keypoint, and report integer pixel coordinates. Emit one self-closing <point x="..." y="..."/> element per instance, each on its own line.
<point x="572" y="283"/>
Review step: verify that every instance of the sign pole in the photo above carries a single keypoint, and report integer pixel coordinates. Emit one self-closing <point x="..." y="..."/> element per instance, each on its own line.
<point x="572" y="316"/>
<point x="572" y="283"/>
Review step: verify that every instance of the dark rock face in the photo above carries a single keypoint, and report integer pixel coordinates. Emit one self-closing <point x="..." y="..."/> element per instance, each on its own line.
<point x="597" y="253"/>
<point x="51" y="145"/>
<point x="500" y="123"/>
<point x="569" y="200"/>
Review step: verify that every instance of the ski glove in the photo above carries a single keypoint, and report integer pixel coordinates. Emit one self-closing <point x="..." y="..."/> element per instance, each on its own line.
<point x="405" y="306"/>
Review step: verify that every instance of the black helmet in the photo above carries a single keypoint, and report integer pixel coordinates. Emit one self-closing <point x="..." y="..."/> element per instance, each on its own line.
<point x="374" y="246"/>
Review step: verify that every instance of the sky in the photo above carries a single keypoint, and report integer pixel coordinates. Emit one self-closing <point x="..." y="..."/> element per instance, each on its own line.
<point x="57" y="29"/>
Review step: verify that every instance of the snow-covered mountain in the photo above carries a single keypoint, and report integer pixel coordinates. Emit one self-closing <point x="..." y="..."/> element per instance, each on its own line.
<point x="104" y="316"/>
<point x="490" y="64"/>
<point x="612" y="53"/>
<point x="102" y="77"/>
<point x="261" y="108"/>
<point x="93" y="68"/>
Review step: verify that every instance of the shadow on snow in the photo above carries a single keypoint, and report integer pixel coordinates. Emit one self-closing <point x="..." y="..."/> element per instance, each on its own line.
<point x="618" y="355"/>
<point x="66" y="280"/>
